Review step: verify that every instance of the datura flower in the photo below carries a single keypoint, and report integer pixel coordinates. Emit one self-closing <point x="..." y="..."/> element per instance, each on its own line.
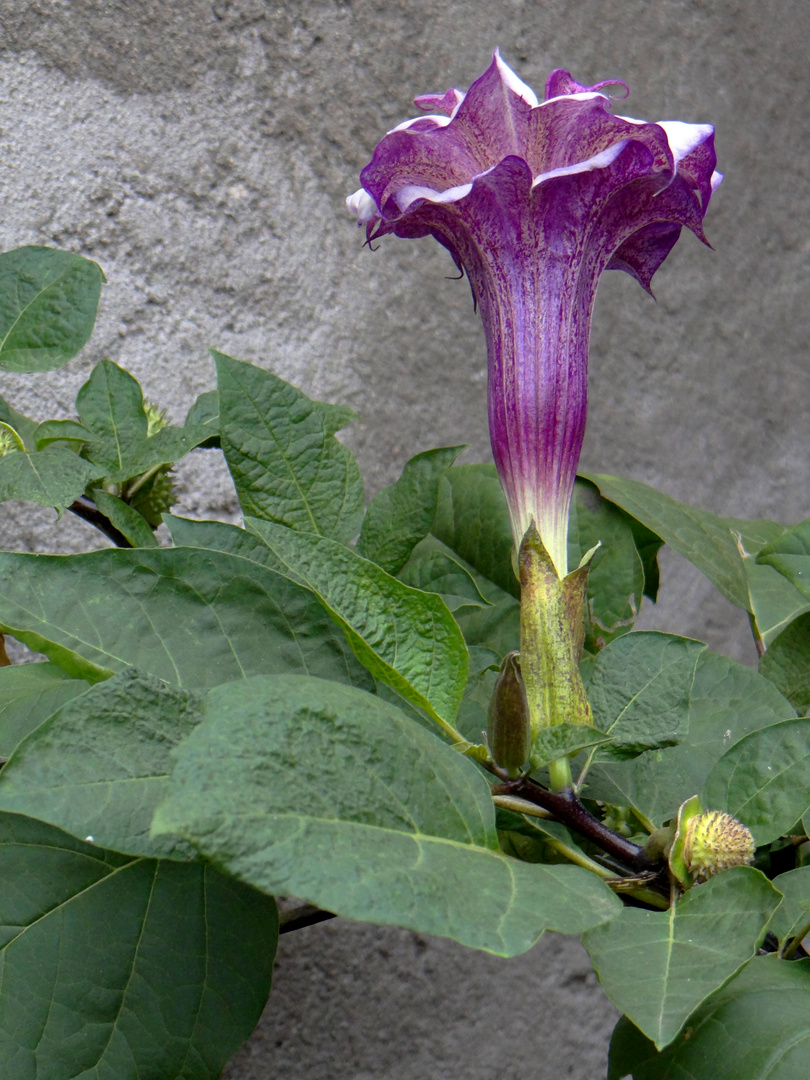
<point x="534" y="200"/>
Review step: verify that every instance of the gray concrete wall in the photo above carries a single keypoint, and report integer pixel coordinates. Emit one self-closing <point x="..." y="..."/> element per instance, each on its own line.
<point x="201" y="153"/>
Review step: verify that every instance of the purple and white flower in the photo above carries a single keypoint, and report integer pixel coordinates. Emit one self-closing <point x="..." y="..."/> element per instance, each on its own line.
<point x="534" y="200"/>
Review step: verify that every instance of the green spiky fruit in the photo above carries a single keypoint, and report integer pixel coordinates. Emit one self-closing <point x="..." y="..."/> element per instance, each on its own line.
<point x="716" y="841"/>
<point x="155" y="498"/>
<point x="156" y="419"/>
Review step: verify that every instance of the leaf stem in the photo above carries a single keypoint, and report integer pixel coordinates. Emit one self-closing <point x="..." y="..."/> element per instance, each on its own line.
<point x="567" y="809"/>
<point x="787" y="953"/>
<point x="87" y="510"/>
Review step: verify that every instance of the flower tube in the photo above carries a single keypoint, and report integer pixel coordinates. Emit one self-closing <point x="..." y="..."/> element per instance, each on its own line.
<point x="534" y="200"/>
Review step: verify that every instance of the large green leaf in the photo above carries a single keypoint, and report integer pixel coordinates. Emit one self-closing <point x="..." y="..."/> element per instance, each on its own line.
<point x="111" y="408"/>
<point x="433" y="567"/>
<point x="640" y="690"/>
<point x="317" y="790"/>
<point x="29" y="694"/>
<point x="193" y="618"/>
<point x="473" y="520"/>
<point x="115" y="967"/>
<point x="794" y="912"/>
<point x="787" y="663"/>
<point x="764" y="779"/>
<point x="99" y="766"/>
<point x="755" y="1028"/>
<point x="727" y="702"/>
<point x="404" y="637"/>
<point x="48" y="302"/>
<point x="722" y="548"/>
<point x="616" y="572"/>
<point x="286" y="464"/>
<point x="658" y="966"/>
<point x="399" y="516"/>
<point x="51" y="477"/>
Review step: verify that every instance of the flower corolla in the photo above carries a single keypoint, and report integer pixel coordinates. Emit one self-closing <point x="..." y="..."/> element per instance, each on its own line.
<point x="534" y="199"/>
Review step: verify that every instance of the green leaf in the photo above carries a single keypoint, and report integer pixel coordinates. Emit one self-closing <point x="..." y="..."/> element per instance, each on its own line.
<point x="639" y="691"/>
<point x="401" y="515"/>
<point x="616" y="573"/>
<point x="404" y="637"/>
<point x="24" y="427"/>
<point x="61" y="430"/>
<point x="48" y="302"/>
<point x="111" y="407"/>
<point x="433" y="567"/>
<point x="280" y="447"/>
<point x="53" y="477"/>
<point x="789" y="554"/>
<point x="98" y="767"/>
<point x="728" y="701"/>
<point x="787" y="663"/>
<point x="29" y="694"/>
<point x="125" y="518"/>
<point x="205" y="412"/>
<point x="658" y="966"/>
<point x="191" y="617"/>
<point x="368" y="815"/>
<point x="116" y="967"/>
<point x="794" y="912"/>
<point x="756" y="1027"/>
<point x="764" y="779"/>
<point x="473" y="520"/>
<point x="721" y="548"/>
<point x="563" y="740"/>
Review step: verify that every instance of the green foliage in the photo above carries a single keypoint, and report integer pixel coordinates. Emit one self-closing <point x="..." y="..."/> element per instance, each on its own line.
<point x="48" y="302"/>
<point x="658" y="966"/>
<point x="368" y="815"/>
<point x="119" y="966"/>
<point x="724" y="549"/>
<point x="639" y="692"/>
<point x="726" y="702"/>
<point x="757" y="1026"/>
<point x="275" y="709"/>
<point x="287" y="466"/>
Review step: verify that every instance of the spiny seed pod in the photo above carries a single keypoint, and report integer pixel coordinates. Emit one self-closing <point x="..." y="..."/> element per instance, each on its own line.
<point x="155" y="498"/>
<point x="509" y="729"/>
<point x="716" y="841"/>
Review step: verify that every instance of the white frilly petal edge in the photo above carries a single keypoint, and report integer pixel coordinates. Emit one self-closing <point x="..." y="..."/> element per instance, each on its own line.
<point x="362" y="206"/>
<point x="683" y="138"/>
<point x="438" y="121"/>
<point x="514" y="82"/>
<point x="598" y="161"/>
<point x="408" y="194"/>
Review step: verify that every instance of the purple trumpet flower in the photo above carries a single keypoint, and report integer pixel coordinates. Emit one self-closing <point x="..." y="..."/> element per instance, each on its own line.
<point x="534" y="200"/>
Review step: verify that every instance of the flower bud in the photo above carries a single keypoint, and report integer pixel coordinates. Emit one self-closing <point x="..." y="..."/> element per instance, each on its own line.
<point x="509" y="729"/>
<point x="716" y="841"/>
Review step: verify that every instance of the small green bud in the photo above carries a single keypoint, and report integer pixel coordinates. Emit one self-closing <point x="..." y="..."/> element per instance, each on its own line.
<point x="156" y="419"/>
<point x="509" y="729"/>
<point x="10" y="441"/>
<point x="716" y="841"/>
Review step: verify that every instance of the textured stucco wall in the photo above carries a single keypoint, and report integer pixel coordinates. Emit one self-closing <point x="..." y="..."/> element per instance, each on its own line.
<point x="201" y="153"/>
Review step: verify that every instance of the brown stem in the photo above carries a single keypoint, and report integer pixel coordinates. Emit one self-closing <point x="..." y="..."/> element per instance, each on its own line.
<point x="298" y="917"/>
<point x="568" y="810"/>
<point x="87" y="510"/>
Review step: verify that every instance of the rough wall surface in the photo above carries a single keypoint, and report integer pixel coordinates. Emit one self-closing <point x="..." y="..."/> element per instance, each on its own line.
<point x="201" y="153"/>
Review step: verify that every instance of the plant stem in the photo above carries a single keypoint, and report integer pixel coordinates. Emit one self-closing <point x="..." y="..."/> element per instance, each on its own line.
<point x="87" y="510"/>
<point x="567" y="809"/>
<point x="787" y="953"/>
<point x="304" y="915"/>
